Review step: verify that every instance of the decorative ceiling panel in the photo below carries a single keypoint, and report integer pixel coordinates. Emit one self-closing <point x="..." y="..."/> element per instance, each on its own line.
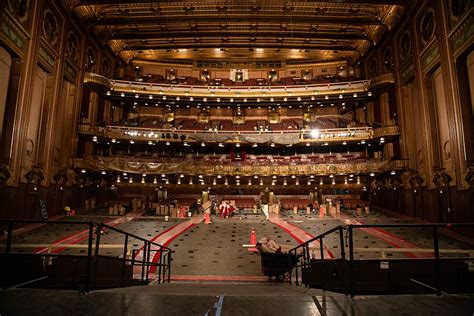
<point x="148" y="30"/>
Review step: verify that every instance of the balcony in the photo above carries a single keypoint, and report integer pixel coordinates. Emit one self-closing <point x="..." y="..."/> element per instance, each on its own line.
<point x="146" y="89"/>
<point x="279" y="137"/>
<point x="182" y="166"/>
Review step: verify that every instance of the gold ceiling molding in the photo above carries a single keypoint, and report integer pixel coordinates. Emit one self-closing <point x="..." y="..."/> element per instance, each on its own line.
<point x="332" y="30"/>
<point x="151" y="168"/>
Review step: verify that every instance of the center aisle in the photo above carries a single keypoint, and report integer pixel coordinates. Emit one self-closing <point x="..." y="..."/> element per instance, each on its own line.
<point x="215" y="252"/>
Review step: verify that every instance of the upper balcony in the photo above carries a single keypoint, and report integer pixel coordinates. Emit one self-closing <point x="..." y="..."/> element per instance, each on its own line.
<point x="280" y="137"/>
<point x="252" y="90"/>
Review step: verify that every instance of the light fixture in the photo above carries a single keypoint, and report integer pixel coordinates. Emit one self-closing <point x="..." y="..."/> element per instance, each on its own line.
<point x="393" y="172"/>
<point x="83" y="171"/>
<point x="221" y="145"/>
<point x="314" y="133"/>
<point x="103" y="172"/>
<point x="372" y="174"/>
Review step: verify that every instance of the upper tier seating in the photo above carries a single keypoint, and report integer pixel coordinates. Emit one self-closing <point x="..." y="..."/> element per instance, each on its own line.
<point x="285" y="81"/>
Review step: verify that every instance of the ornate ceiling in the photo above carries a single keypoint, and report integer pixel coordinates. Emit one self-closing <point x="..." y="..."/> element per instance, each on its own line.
<point x="187" y="32"/>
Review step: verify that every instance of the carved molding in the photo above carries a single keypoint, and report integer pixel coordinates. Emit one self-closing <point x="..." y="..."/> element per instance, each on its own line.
<point x="4" y="174"/>
<point x="149" y="167"/>
<point x="35" y="176"/>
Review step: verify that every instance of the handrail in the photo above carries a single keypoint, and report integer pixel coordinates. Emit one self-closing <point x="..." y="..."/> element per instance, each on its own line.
<point x="205" y="90"/>
<point x="322" y="131"/>
<point x="134" y="236"/>
<point x="95" y="229"/>
<point x="317" y="237"/>
<point x="301" y="252"/>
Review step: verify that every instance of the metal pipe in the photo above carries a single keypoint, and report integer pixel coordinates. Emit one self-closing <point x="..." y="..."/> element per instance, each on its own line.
<point x="124" y="262"/>
<point x="89" y="256"/>
<point x="9" y="237"/>
<point x="436" y="252"/>
<point x="323" y="270"/>
<point x="351" y="261"/>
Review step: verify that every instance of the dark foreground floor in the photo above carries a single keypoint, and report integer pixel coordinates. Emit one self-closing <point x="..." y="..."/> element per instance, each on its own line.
<point x="225" y="299"/>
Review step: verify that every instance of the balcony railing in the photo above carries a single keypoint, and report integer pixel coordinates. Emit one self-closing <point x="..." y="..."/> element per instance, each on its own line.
<point x="283" y="137"/>
<point x="150" y="167"/>
<point x="135" y="87"/>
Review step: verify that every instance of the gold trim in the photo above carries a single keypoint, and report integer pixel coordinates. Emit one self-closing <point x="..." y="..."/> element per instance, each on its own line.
<point x="393" y="130"/>
<point x="387" y="78"/>
<point x="326" y="135"/>
<point x="97" y="79"/>
<point x="184" y="167"/>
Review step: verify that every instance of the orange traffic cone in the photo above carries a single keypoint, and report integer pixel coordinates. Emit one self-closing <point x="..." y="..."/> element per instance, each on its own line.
<point x="253" y="240"/>
<point x="207" y="218"/>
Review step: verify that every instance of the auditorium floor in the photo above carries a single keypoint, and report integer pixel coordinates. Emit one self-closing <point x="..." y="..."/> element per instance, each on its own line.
<point x="226" y="299"/>
<point x="211" y="265"/>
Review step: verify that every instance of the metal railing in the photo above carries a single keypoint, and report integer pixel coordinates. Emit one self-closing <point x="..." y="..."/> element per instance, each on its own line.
<point x="161" y="259"/>
<point x="302" y="252"/>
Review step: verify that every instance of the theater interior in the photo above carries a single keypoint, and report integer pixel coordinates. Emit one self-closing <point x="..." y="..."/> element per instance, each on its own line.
<point x="260" y="157"/>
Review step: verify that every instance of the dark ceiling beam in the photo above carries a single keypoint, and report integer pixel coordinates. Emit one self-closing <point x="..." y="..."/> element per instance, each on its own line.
<point x="122" y="2"/>
<point x="241" y="45"/>
<point x="219" y="34"/>
<point x="259" y="19"/>
<point x="381" y="2"/>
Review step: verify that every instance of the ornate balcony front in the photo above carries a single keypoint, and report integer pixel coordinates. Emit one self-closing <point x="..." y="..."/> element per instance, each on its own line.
<point x="150" y="167"/>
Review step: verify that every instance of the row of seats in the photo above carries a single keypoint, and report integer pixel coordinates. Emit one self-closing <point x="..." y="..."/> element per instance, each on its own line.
<point x="251" y="82"/>
<point x="252" y="160"/>
<point x="247" y="125"/>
